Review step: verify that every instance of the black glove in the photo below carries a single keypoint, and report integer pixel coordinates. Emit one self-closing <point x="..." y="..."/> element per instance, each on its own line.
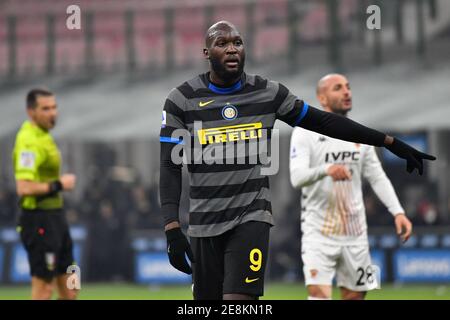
<point x="177" y="247"/>
<point x="414" y="158"/>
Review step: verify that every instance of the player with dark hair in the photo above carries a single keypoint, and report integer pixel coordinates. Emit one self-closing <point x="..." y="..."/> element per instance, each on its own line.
<point x="42" y="225"/>
<point x="230" y="210"/>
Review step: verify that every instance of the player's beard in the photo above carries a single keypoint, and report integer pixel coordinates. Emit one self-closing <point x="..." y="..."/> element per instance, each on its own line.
<point x="52" y="123"/>
<point x="340" y="109"/>
<point x="223" y="73"/>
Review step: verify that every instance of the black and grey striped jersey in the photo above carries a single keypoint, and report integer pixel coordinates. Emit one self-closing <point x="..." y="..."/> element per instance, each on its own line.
<point x="223" y="195"/>
<point x="218" y="121"/>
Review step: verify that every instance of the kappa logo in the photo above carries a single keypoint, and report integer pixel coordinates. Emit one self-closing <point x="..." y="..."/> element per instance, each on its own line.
<point x="322" y="139"/>
<point x="204" y="104"/>
<point x="293" y="152"/>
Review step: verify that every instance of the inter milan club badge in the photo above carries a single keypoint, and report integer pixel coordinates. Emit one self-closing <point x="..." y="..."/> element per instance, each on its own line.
<point x="229" y="112"/>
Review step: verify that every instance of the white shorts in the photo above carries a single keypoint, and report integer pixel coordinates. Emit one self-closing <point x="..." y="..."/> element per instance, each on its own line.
<point x="351" y="264"/>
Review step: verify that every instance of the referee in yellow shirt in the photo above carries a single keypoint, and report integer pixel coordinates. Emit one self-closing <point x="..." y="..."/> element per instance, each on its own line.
<point x="42" y="225"/>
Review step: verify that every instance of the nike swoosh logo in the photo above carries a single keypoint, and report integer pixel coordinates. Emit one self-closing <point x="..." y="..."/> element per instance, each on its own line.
<point x="247" y="280"/>
<point x="203" y="104"/>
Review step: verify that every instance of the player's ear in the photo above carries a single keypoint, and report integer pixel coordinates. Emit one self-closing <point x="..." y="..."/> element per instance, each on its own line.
<point x="206" y="53"/>
<point x="322" y="99"/>
<point x="30" y="112"/>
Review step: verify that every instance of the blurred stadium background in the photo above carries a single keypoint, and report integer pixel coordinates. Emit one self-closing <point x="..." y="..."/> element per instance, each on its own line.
<point x="112" y="76"/>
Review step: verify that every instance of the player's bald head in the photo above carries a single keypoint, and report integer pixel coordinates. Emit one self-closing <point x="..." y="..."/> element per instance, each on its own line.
<point x="334" y="93"/>
<point x="218" y="29"/>
<point x="328" y="80"/>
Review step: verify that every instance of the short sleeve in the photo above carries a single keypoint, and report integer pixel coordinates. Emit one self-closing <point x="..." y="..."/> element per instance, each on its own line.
<point x="27" y="159"/>
<point x="172" y="115"/>
<point x="290" y="109"/>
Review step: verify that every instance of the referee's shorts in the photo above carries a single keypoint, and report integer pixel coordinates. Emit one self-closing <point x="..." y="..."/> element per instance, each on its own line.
<point x="46" y="238"/>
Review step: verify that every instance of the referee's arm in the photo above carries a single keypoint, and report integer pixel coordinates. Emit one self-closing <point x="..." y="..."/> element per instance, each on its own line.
<point x="33" y="188"/>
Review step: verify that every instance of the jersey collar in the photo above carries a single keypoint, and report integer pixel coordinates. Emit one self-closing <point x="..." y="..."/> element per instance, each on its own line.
<point x="34" y="127"/>
<point x="225" y="90"/>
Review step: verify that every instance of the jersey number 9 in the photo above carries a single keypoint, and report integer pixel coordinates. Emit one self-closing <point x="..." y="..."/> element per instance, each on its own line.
<point x="255" y="259"/>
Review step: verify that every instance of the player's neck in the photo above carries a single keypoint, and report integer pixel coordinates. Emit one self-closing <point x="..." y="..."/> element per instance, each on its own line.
<point x="37" y="126"/>
<point x="219" y="82"/>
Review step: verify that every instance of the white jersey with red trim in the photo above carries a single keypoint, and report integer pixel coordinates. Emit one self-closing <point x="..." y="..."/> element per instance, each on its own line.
<point x="333" y="211"/>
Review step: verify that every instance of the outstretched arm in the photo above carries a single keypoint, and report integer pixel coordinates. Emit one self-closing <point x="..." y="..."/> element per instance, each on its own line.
<point x="340" y="127"/>
<point x="296" y="112"/>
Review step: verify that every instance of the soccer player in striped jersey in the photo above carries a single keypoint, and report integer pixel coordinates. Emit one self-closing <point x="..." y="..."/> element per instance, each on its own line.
<point x="230" y="212"/>
<point x="334" y="239"/>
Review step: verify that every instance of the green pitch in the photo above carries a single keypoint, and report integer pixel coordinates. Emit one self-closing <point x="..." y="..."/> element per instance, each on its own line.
<point x="275" y="291"/>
